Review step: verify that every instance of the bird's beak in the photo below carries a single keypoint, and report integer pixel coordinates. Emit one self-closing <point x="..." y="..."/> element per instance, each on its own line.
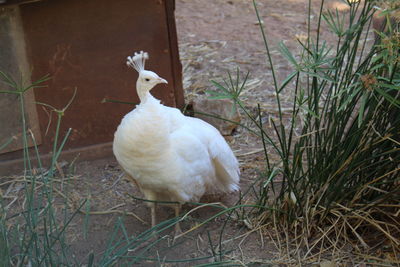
<point x="161" y="80"/>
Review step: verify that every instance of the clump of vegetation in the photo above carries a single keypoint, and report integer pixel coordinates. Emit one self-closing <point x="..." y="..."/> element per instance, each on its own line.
<point x="337" y="182"/>
<point x="34" y="235"/>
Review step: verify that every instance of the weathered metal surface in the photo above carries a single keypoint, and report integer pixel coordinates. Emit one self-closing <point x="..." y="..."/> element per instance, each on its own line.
<point x="13" y="64"/>
<point x="85" y="153"/>
<point x="174" y="53"/>
<point x="15" y="2"/>
<point x="84" y="45"/>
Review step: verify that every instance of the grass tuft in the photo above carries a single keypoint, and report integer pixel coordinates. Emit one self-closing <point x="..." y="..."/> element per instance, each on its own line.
<point x="336" y="183"/>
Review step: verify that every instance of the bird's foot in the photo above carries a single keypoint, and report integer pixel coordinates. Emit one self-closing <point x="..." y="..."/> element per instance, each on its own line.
<point x="177" y="233"/>
<point x="178" y="230"/>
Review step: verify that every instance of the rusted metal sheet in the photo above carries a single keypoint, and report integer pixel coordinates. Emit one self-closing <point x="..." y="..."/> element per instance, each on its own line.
<point x="174" y="53"/>
<point x="83" y="44"/>
<point x="15" y="2"/>
<point x="13" y="62"/>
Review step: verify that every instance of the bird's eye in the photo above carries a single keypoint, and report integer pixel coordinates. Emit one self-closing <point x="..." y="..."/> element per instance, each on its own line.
<point x="147" y="79"/>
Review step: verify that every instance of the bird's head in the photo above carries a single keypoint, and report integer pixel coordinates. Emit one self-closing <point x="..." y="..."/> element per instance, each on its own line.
<point x="150" y="79"/>
<point x="147" y="79"/>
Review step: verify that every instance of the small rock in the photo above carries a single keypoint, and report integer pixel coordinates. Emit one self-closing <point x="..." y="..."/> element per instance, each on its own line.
<point x="222" y="108"/>
<point x="339" y="6"/>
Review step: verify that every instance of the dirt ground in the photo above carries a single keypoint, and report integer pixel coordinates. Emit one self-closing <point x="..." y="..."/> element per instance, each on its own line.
<point x="214" y="37"/>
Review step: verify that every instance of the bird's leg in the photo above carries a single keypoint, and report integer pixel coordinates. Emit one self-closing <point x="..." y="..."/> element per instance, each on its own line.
<point x="178" y="229"/>
<point x="153" y="207"/>
<point x="152" y="204"/>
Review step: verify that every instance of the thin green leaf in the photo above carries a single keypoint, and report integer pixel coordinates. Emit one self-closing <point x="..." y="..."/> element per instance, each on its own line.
<point x="288" y="79"/>
<point x="219" y="86"/>
<point x="288" y="55"/>
<point x="362" y="109"/>
<point x="6" y="143"/>
<point x="388" y="97"/>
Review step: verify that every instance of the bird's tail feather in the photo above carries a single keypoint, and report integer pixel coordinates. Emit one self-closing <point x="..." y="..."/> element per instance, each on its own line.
<point x="227" y="179"/>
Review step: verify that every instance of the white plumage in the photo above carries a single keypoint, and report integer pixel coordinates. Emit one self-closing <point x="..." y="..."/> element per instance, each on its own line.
<point x="169" y="156"/>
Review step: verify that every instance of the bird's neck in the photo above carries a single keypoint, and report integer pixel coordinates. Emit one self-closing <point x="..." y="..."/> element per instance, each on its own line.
<point x="143" y="92"/>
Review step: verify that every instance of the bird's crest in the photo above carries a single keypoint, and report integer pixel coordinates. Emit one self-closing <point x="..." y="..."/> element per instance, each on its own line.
<point x="137" y="61"/>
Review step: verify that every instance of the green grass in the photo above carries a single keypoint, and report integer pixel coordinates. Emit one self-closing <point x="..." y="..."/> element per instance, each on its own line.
<point x="34" y="235"/>
<point x="340" y="148"/>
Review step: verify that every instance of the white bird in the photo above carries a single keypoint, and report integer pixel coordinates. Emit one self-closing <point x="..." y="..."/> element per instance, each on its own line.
<point x="169" y="156"/>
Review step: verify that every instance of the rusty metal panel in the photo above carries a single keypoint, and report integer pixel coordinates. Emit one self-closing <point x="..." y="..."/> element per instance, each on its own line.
<point x="83" y="44"/>
<point x="15" y="2"/>
<point x="174" y="53"/>
<point x="13" y="63"/>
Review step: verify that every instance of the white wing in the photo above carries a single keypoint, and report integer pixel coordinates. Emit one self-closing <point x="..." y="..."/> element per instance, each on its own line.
<point x="212" y="152"/>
